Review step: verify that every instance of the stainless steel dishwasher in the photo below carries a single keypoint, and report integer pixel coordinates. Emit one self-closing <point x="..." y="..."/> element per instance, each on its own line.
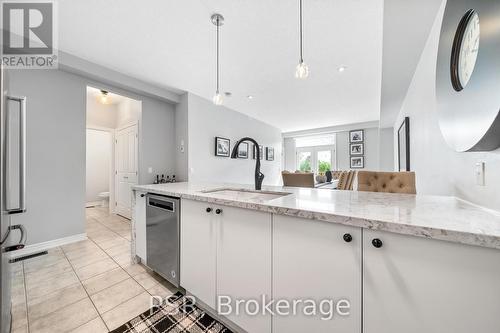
<point x="162" y="236"/>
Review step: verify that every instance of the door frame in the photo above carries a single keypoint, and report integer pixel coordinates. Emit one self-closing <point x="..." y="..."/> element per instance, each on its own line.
<point x="115" y="157"/>
<point x="314" y="156"/>
<point x="111" y="164"/>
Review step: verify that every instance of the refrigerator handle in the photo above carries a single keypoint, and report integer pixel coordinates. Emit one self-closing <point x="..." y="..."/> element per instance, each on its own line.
<point x="22" y="241"/>
<point x="22" y="156"/>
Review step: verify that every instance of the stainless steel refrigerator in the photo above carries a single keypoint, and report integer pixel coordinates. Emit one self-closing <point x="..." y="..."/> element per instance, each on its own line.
<point x="12" y="188"/>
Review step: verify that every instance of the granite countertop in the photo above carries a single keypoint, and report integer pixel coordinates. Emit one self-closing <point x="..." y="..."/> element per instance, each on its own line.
<point x="435" y="217"/>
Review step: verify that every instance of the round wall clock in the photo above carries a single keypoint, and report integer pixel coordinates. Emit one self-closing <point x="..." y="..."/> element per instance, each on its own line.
<point x="468" y="75"/>
<point x="465" y="49"/>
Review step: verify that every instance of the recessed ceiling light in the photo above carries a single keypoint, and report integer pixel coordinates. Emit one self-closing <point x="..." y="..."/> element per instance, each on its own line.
<point x="250" y="97"/>
<point x="342" y="69"/>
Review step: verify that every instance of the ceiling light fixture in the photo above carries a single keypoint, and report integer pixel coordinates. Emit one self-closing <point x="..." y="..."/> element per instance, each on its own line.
<point x="104" y="97"/>
<point x="302" y="70"/>
<point x="218" y="21"/>
<point x="342" y="69"/>
<point x="250" y="97"/>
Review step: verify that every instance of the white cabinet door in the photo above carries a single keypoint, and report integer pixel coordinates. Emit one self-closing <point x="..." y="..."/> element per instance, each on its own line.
<point x="244" y="263"/>
<point x="140" y="225"/>
<point x="126" y="146"/>
<point x="415" y="285"/>
<point x="198" y="251"/>
<point x="312" y="261"/>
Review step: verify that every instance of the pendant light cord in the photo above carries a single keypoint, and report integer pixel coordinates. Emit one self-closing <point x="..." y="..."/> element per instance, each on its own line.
<point x="217" y="75"/>
<point x="300" y="31"/>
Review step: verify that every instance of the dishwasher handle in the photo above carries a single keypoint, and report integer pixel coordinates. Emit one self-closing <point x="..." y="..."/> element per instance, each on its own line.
<point x="162" y="203"/>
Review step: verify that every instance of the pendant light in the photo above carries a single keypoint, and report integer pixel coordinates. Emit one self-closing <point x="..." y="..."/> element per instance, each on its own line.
<point x="218" y="21"/>
<point x="301" y="71"/>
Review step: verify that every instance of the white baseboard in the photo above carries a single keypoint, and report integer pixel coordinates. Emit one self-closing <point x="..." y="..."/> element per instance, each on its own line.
<point x="93" y="204"/>
<point x="34" y="248"/>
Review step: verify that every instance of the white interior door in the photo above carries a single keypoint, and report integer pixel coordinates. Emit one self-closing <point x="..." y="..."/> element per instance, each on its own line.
<point x="126" y="146"/>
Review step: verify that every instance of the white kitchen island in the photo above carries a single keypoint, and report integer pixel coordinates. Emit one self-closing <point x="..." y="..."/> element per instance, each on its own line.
<point x="405" y="263"/>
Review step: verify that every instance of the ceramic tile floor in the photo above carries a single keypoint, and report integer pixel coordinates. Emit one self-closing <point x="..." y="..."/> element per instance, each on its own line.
<point x="89" y="286"/>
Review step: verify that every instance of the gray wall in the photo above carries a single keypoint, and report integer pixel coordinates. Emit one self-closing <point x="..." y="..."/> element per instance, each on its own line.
<point x="56" y="148"/>
<point x="156" y="139"/>
<point x="206" y="121"/>
<point x="289" y="154"/>
<point x="378" y="146"/>
<point x="371" y="141"/>
<point x="439" y="169"/>
<point x="386" y="149"/>
<point x="55" y="183"/>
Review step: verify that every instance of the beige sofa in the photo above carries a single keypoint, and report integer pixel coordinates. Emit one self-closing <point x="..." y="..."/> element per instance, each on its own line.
<point x="298" y="179"/>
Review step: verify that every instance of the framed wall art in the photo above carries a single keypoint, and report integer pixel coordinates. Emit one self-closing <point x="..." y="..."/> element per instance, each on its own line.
<point x="222" y="147"/>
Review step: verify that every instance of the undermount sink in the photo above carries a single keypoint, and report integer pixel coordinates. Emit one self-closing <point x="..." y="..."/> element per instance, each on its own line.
<point x="242" y="194"/>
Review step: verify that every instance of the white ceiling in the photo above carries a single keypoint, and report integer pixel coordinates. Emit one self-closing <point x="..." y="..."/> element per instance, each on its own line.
<point x="407" y="25"/>
<point x="171" y="43"/>
<point x="113" y="99"/>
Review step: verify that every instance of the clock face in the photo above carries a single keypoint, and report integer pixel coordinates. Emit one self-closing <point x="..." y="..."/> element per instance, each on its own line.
<point x="465" y="50"/>
<point x="468" y="50"/>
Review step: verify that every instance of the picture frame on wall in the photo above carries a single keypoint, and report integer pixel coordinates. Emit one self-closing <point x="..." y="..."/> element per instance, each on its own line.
<point x="222" y="147"/>
<point x="357" y="162"/>
<point x="243" y="150"/>
<point x="404" y="145"/>
<point x="356" y="136"/>
<point x="261" y="151"/>
<point x="357" y="148"/>
<point x="269" y="154"/>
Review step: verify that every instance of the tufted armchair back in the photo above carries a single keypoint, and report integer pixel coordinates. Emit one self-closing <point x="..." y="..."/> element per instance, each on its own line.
<point x="346" y="180"/>
<point x="390" y="182"/>
<point x="336" y="174"/>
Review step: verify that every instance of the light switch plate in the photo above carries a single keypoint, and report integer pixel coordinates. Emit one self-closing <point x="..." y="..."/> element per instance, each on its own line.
<point x="150" y="170"/>
<point x="479" y="170"/>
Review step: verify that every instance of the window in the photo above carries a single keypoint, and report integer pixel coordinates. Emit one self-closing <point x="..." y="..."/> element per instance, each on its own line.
<point x="324" y="158"/>
<point x="315" y="153"/>
<point x="304" y="159"/>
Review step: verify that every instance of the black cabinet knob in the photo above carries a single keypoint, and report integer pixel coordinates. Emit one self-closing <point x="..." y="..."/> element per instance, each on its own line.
<point x="218" y="211"/>
<point x="143" y="195"/>
<point x="377" y="243"/>
<point x="348" y="238"/>
<point x="209" y="209"/>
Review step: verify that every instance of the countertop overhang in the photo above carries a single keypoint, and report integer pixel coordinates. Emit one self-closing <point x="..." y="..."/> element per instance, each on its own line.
<point x="434" y="217"/>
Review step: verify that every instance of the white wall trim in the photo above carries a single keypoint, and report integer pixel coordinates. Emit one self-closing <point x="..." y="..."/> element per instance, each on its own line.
<point x="33" y="248"/>
<point x="332" y="129"/>
<point x="93" y="204"/>
<point x="100" y="128"/>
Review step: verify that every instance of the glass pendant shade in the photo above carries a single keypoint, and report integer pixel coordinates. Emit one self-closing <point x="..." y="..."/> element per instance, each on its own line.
<point x="301" y="71"/>
<point x="217" y="99"/>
